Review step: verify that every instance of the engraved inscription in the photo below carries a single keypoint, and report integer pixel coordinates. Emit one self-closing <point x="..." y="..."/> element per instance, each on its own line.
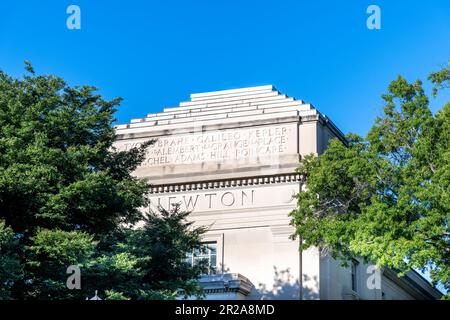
<point x="206" y="201"/>
<point x="217" y="146"/>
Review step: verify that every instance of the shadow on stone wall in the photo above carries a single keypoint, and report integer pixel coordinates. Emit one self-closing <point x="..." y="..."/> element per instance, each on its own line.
<point x="223" y="268"/>
<point x="286" y="288"/>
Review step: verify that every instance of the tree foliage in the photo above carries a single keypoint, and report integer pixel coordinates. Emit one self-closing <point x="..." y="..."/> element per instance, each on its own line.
<point x="150" y="262"/>
<point x="68" y="197"/>
<point x="10" y="267"/>
<point x="385" y="197"/>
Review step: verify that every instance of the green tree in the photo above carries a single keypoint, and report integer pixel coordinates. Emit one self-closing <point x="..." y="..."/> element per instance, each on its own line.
<point x="10" y="267"/>
<point x="49" y="255"/>
<point x="60" y="175"/>
<point x="150" y="262"/>
<point x="385" y="197"/>
<point x="67" y="197"/>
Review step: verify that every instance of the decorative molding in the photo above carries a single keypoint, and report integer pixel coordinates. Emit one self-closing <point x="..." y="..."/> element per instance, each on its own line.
<point x="411" y="286"/>
<point x="227" y="183"/>
<point x="282" y="231"/>
<point x="226" y="283"/>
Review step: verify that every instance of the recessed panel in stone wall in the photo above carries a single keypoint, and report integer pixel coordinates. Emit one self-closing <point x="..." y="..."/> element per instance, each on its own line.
<point x="217" y="150"/>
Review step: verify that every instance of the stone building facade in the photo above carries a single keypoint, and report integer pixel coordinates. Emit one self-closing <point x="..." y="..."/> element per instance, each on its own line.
<point x="230" y="158"/>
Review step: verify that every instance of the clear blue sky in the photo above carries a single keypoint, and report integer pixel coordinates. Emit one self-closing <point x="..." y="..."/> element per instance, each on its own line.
<point x="154" y="53"/>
